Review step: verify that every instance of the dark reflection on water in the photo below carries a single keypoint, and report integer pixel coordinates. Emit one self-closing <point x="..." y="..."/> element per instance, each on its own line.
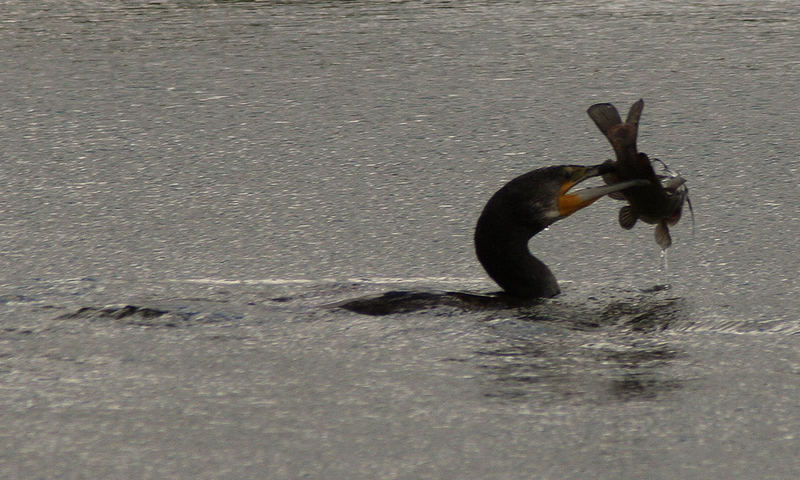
<point x="645" y="315"/>
<point x="642" y="379"/>
<point x="642" y="387"/>
<point x="640" y="312"/>
<point x="574" y="353"/>
<point x="578" y="372"/>
<point x="605" y="348"/>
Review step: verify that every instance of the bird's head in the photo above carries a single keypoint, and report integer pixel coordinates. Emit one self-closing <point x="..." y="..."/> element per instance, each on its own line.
<point x="532" y="201"/>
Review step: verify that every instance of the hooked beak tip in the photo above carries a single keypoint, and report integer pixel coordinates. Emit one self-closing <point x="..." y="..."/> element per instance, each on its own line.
<point x="609" y="166"/>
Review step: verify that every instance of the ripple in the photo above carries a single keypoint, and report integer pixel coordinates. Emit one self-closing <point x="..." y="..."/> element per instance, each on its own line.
<point x="144" y="316"/>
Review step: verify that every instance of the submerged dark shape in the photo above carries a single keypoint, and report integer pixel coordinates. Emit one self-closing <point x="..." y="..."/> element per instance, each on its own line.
<point x="398" y="301"/>
<point x="651" y="202"/>
<point x="522" y="208"/>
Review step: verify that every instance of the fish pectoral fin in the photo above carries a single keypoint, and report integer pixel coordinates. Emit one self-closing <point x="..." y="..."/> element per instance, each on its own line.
<point x="617" y="195"/>
<point x="627" y="217"/>
<point x="663" y="238"/>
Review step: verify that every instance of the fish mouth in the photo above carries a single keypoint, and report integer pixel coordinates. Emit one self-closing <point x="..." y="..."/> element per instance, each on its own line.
<point x="570" y="201"/>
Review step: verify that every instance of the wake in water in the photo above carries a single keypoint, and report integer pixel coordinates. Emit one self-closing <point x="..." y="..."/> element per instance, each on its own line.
<point x="193" y="302"/>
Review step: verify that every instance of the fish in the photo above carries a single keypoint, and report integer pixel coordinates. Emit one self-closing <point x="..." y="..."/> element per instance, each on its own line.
<point x="656" y="203"/>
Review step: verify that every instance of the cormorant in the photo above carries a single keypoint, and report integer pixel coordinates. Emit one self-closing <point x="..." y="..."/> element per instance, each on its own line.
<point x="524" y="207"/>
<point x="518" y="211"/>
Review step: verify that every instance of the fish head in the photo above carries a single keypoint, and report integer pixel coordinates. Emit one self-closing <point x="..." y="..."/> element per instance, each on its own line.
<point x="675" y="187"/>
<point x="676" y="200"/>
<point x="672" y="184"/>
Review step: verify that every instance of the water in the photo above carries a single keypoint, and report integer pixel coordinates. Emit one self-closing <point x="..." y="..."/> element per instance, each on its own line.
<point x="189" y="186"/>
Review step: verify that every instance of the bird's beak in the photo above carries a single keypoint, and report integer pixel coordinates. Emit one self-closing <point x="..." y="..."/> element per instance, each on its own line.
<point x="570" y="202"/>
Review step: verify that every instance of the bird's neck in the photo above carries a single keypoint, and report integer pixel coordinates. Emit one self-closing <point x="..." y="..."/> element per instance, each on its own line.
<point x="504" y="254"/>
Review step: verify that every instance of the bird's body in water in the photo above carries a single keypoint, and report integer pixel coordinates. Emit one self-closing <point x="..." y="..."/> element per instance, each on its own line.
<point x="524" y="207"/>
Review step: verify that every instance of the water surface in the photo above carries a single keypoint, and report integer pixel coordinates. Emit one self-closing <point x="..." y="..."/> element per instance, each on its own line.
<point x="189" y="186"/>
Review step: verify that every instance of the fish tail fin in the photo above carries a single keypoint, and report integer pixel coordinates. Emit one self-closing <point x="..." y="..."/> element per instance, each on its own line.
<point x="663" y="238"/>
<point x="622" y="136"/>
<point x="605" y="116"/>
<point x="635" y="113"/>
<point x="627" y="218"/>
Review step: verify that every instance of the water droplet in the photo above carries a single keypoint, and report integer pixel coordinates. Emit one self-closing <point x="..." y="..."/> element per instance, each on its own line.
<point x="665" y="265"/>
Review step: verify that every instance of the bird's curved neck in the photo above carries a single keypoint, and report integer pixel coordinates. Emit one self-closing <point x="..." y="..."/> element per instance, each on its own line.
<point x="502" y="249"/>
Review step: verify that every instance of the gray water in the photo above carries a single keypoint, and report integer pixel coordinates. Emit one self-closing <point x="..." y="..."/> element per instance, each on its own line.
<point x="188" y="186"/>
